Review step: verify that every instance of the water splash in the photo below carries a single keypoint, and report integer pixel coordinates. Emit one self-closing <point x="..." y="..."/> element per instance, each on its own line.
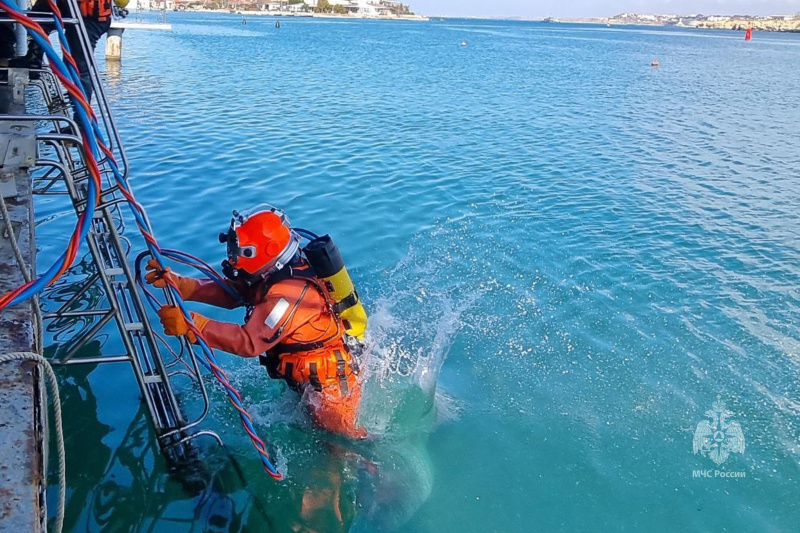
<point x="416" y="316"/>
<point x="411" y="332"/>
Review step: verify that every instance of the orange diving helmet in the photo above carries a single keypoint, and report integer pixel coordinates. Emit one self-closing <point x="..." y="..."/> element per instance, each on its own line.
<point x="260" y="241"/>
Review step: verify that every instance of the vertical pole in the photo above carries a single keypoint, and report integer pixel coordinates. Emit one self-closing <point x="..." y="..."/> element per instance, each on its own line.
<point x="20" y="34"/>
<point x="114" y="44"/>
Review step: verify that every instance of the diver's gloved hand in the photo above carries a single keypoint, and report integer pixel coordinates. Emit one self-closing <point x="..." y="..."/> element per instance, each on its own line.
<point x="158" y="278"/>
<point x="175" y="324"/>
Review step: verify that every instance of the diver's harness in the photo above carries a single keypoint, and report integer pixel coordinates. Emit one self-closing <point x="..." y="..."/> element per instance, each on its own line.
<point x="320" y="265"/>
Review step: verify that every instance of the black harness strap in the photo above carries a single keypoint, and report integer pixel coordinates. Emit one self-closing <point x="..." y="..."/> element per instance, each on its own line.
<point x="281" y="349"/>
<point x="288" y="376"/>
<point x="314" y="377"/>
<point x="289" y="272"/>
<point x="341" y="371"/>
<point x="346" y="303"/>
<point x="270" y="361"/>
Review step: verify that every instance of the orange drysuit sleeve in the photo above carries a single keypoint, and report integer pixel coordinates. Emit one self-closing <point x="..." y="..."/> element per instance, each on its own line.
<point x="291" y="309"/>
<point x="261" y="332"/>
<point x="209" y="292"/>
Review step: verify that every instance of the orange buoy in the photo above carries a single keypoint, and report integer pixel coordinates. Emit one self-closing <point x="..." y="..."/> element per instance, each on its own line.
<point x="654" y="63"/>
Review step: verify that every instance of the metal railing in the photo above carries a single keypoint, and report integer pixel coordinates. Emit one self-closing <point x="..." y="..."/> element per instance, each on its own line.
<point x="103" y="289"/>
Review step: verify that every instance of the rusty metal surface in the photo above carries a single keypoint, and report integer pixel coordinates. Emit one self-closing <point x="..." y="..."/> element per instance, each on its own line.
<point x="21" y="409"/>
<point x="20" y="461"/>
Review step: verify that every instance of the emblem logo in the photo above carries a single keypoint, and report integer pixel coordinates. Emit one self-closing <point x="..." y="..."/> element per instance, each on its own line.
<point x="718" y="437"/>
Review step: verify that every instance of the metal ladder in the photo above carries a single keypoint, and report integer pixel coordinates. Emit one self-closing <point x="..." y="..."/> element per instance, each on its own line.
<point x="106" y="292"/>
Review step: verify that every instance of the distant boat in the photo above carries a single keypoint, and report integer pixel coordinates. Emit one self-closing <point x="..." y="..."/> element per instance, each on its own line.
<point x="551" y="19"/>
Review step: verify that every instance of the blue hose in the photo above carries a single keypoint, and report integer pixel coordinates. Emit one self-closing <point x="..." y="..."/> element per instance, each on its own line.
<point x="91" y="133"/>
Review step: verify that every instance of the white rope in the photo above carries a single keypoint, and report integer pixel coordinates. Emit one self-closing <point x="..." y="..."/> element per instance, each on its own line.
<point x="56" y="401"/>
<point x="26" y="274"/>
<point x="13" y="240"/>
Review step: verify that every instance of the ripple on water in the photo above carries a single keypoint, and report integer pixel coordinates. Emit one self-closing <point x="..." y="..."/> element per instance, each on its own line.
<point x="598" y="248"/>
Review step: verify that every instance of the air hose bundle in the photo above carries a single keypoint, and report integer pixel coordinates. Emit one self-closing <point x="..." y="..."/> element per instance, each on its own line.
<point x="94" y="149"/>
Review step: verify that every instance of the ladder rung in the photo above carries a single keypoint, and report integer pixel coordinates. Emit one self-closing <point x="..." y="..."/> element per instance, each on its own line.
<point x="114" y="272"/>
<point x="153" y="379"/>
<point x="134" y="326"/>
<point x="98" y="360"/>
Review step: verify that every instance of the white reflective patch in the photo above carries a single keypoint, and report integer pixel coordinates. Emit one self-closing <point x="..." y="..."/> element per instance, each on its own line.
<point x="277" y="313"/>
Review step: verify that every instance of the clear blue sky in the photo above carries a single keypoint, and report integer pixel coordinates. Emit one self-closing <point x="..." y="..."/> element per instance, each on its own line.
<point x="599" y="8"/>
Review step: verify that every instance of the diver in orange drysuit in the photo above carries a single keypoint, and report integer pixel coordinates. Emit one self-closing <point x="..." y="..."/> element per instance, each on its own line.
<point x="292" y="323"/>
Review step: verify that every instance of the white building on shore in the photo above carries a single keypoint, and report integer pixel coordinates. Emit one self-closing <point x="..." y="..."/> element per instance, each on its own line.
<point x="286" y="7"/>
<point x="371" y="8"/>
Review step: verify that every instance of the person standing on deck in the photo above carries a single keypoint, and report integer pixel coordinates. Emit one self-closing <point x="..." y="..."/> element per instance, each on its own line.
<point x="96" y="16"/>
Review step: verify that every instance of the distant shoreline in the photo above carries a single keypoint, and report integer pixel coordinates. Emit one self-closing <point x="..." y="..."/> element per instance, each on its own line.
<point x="719" y="22"/>
<point x="305" y="15"/>
<point x="775" y="23"/>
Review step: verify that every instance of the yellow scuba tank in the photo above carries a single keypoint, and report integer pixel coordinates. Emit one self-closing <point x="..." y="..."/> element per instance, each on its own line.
<point x="326" y="260"/>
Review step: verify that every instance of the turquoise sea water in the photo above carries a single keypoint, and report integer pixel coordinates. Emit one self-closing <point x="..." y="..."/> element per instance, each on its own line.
<point x="590" y="249"/>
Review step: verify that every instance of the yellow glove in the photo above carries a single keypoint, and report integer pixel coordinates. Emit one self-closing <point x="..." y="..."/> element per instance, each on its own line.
<point x="175" y="324"/>
<point x="158" y="278"/>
